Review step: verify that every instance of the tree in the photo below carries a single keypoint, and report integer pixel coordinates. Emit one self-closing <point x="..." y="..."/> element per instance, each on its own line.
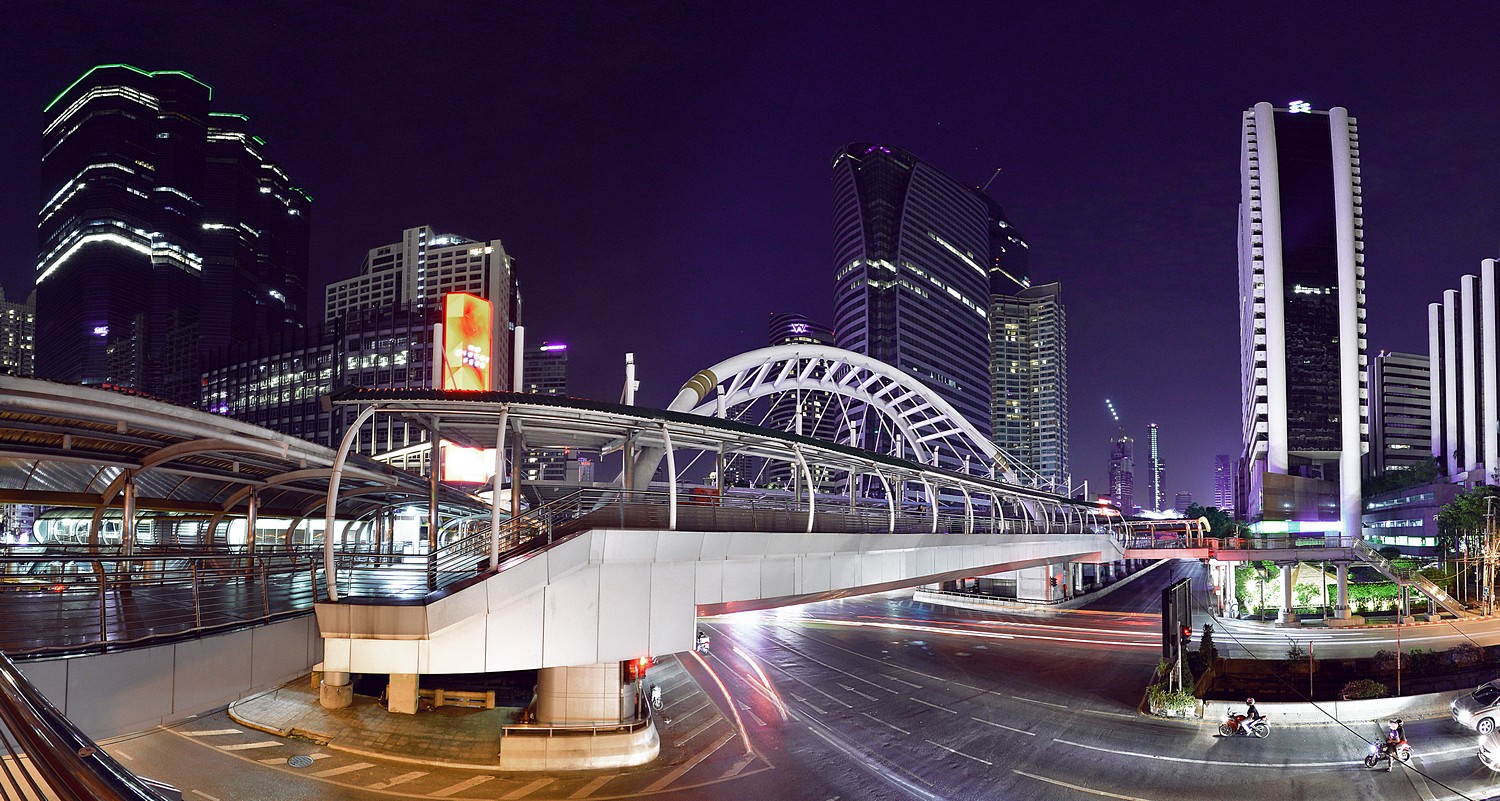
<point x="1220" y="522"/>
<point x="1403" y="478"/>
<point x="1464" y="516"/>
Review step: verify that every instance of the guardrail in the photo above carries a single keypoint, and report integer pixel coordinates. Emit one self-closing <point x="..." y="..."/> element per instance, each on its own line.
<point x="44" y="756"/>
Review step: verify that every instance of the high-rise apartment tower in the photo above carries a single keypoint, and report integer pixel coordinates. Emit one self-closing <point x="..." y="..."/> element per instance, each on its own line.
<point x="1029" y="380"/>
<point x="1158" y="469"/>
<point x="1302" y="316"/>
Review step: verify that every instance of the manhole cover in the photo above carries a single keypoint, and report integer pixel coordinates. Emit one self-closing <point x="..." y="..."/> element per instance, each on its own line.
<point x="300" y="761"/>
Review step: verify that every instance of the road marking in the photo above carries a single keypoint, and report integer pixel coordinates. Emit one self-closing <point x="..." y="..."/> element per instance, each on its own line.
<point x="339" y="771"/>
<point x="282" y="760"/>
<point x="402" y="779"/>
<point x="858" y="693"/>
<point x="902" y="681"/>
<point x="588" y="789"/>
<point x="1413" y="776"/>
<point x="834" y="699"/>
<point x="1343" y="762"/>
<point x="934" y="706"/>
<point x="1076" y="787"/>
<point x="478" y="780"/>
<point x="1034" y="701"/>
<point x="814" y="706"/>
<point x="834" y="669"/>
<point x="677" y="772"/>
<point x="128" y="758"/>
<point x="249" y="746"/>
<point x="739" y="766"/>
<point x="1108" y="714"/>
<point x="960" y="753"/>
<point x="205" y="795"/>
<point x="1003" y="726"/>
<point x="883" y="723"/>
<point x="696" y="732"/>
<point x="210" y="733"/>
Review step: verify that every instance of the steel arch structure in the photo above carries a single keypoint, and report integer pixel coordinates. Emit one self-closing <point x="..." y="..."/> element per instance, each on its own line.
<point x="921" y="424"/>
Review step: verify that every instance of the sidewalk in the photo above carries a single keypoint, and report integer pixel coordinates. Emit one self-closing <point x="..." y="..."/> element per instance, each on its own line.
<point x="452" y="737"/>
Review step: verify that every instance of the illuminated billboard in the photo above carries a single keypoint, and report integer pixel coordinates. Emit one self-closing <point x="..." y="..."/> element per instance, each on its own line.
<point x="466" y="465"/>
<point x="467" y="323"/>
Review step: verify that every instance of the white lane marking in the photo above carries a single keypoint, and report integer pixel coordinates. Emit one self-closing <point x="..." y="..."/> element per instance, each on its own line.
<point x="814" y="706"/>
<point x="210" y="733"/>
<point x="1108" y="714"/>
<point x="128" y="758"/>
<point x="739" y="766"/>
<point x="865" y="696"/>
<point x="478" y="780"/>
<point x="402" y="779"/>
<point x="1003" y="726"/>
<point x="834" y="699"/>
<point x="859" y="756"/>
<point x="282" y="760"/>
<point x="249" y="746"/>
<point x="960" y="753"/>
<point x="1034" y="701"/>
<point x="1104" y="793"/>
<point x="934" y="706"/>
<point x="801" y="655"/>
<point x="342" y="769"/>
<point x="883" y="723"/>
<point x="588" y="789"/>
<point x="1344" y="762"/>
<point x="205" y="795"/>
<point x="696" y="732"/>
<point x="902" y="681"/>
<point x="677" y="772"/>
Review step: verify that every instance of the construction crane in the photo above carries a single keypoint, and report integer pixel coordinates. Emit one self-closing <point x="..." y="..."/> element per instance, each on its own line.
<point x="1112" y="411"/>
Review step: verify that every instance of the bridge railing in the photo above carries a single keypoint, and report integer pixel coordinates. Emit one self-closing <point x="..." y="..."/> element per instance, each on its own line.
<point x="62" y="603"/>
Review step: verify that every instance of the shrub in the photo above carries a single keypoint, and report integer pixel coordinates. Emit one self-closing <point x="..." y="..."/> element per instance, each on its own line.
<point x="1384" y="661"/>
<point x="1165" y="700"/>
<point x="1296" y="651"/>
<point x="1466" y="654"/>
<point x="1361" y="689"/>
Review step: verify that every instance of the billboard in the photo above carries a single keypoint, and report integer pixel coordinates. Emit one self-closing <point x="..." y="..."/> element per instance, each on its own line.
<point x="467" y="337"/>
<point x="466" y="465"/>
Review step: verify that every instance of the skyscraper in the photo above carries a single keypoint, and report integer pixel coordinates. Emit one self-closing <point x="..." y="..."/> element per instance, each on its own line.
<point x="153" y="208"/>
<point x="544" y="371"/>
<point x="911" y="253"/>
<point x="1029" y="380"/>
<point x="17" y="336"/>
<point x="1122" y="471"/>
<point x="1302" y="330"/>
<point x="1400" y="412"/>
<point x="1224" y="473"/>
<point x="1464" y="370"/>
<point x="1158" y="470"/>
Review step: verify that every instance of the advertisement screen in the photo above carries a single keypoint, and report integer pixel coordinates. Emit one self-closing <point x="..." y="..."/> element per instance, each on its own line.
<point x="466" y="465"/>
<point x="466" y="342"/>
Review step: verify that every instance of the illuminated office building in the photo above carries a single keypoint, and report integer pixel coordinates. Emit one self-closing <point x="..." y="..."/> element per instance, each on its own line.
<point x="544" y="371"/>
<point x="1224" y="475"/>
<point x="1122" y="472"/>
<point x="1158" y="469"/>
<point x="1400" y="412"/>
<point x="17" y="336"/>
<point x="911" y="256"/>
<point x="154" y="209"/>
<point x="1302" y="318"/>
<point x="1029" y="380"/>
<point x="1464" y="372"/>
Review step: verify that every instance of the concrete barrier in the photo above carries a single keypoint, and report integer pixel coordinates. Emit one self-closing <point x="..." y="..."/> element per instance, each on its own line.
<point x="1376" y="710"/>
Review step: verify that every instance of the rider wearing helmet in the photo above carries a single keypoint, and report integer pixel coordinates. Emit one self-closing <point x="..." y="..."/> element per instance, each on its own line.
<point x="1395" y="734"/>
<point x="1251" y="715"/>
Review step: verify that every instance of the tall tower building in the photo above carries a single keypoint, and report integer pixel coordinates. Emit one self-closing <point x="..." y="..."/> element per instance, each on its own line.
<point x="544" y="371"/>
<point x="911" y="254"/>
<point x="1029" y="380"/>
<point x="1464" y="378"/>
<point x="154" y="208"/>
<point x="1122" y="472"/>
<point x="1224" y="473"/>
<point x="1158" y="470"/>
<point x="17" y="336"/>
<point x="1302" y="311"/>
<point x="1400" y="412"/>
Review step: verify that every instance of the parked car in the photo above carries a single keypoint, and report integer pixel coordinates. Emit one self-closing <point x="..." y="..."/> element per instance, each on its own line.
<point x="1479" y="709"/>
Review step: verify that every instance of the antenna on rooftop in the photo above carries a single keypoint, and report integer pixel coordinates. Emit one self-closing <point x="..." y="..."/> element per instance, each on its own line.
<point x="986" y="186"/>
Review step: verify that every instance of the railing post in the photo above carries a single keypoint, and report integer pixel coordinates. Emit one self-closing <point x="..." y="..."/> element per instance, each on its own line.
<point x="265" y="579"/>
<point x="666" y="440"/>
<point x="495" y="489"/>
<point x="807" y="479"/>
<point x="103" y="578"/>
<point x="331" y="506"/>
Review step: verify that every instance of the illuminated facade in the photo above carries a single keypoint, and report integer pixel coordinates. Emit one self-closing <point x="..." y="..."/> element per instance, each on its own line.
<point x="155" y="209"/>
<point x="1464" y="372"/>
<point x="544" y="371"/>
<point x="1224" y="475"/>
<point x="1400" y="412"/>
<point x="912" y="255"/>
<point x="17" y="336"/>
<point x="1122" y="472"/>
<point x="1029" y="380"/>
<point x="1302" y="316"/>
<point x="1158" y="469"/>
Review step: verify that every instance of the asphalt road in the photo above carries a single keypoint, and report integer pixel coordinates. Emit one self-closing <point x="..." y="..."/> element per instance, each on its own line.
<point x="884" y="698"/>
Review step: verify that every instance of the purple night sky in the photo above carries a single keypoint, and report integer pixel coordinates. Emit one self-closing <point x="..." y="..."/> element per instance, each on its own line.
<point x="661" y="171"/>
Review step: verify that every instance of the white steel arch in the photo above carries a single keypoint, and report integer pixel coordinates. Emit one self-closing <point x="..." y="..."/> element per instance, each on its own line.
<point x="925" y="422"/>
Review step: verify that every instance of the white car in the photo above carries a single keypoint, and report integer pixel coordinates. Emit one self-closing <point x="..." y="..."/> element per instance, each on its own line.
<point x="1479" y="710"/>
<point x="1489" y="750"/>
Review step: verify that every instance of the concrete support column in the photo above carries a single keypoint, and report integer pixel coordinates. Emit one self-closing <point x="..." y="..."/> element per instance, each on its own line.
<point x="582" y="695"/>
<point x="401" y="693"/>
<point x="1341" y="607"/>
<point x="127" y="516"/>
<point x="1286" y="617"/>
<point x="1075" y="577"/>
<point x="1031" y="584"/>
<point x="1231" y="597"/>
<point x="335" y="692"/>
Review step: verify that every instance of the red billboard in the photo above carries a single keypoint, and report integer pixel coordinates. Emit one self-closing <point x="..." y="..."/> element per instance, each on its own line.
<point x="467" y="338"/>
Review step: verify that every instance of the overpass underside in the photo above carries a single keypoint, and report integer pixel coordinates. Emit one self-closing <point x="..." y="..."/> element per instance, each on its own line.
<point x="608" y="595"/>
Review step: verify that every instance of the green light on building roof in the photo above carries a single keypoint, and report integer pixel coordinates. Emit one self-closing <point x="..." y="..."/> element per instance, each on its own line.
<point x="258" y="140"/>
<point x="299" y="191"/>
<point x="136" y="70"/>
<point x="229" y="114"/>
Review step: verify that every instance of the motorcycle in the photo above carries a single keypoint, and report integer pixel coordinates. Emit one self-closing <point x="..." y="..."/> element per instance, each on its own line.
<point x="1390" y="751"/>
<point x="1258" y="728"/>
<point x="701" y="645"/>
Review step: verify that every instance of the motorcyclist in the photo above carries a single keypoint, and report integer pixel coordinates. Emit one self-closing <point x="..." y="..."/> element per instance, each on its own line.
<point x="1395" y="734"/>
<point x="701" y="644"/>
<point x="1251" y="715"/>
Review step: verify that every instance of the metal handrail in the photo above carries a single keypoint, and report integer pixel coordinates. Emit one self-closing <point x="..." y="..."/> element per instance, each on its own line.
<point x="56" y="752"/>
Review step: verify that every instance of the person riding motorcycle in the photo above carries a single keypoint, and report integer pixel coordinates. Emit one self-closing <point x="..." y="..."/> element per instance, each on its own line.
<point x="1251" y="715"/>
<point x="701" y="643"/>
<point x="1395" y="735"/>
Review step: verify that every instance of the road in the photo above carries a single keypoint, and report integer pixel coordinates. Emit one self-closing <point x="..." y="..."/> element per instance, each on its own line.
<point x="884" y="698"/>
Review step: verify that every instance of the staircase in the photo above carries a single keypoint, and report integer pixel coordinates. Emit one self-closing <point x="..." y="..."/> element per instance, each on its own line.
<point x="1434" y="593"/>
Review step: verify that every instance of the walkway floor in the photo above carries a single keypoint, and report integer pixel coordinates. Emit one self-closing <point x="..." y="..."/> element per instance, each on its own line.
<point x="447" y="736"/>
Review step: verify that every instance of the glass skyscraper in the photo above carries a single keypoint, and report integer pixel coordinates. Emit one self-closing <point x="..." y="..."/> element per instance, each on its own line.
<point x="1029" y="380"/>
<point x="912" y="255"/>
<point x="153" y="209"/>
<point x="1302" y="316"/>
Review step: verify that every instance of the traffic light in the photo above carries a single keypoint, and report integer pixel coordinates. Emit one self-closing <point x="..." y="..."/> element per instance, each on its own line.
<point x="634" y="669"/>
<point x="1187" y="634"/>
<point x="1052" y="581"/>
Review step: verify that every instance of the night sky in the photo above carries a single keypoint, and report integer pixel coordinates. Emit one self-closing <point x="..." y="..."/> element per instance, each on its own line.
<point x="661" y="171"/>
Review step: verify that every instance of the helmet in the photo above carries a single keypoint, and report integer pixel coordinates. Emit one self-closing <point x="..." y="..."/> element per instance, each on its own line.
<point x="1249" y="701"/>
